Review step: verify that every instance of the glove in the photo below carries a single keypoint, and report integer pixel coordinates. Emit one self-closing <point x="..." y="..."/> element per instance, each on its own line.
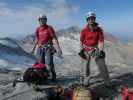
<point x="101" y="54"/>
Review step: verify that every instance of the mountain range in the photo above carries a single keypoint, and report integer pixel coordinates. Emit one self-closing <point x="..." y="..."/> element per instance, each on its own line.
<point x="15" y="54"/>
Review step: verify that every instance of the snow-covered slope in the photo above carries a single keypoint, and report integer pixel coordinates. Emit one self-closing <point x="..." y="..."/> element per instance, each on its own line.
<point x="12" y="55"/>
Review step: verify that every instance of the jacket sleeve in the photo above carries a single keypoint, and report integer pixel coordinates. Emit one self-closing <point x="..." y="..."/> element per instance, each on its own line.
<point x="52" y="32"/>
<point x="101" y="35"/>
<point x="82" y="36"/>
<point x="36" y="33"/>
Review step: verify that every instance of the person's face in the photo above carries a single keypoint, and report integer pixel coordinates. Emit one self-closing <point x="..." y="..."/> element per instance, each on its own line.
<point x="91" y="20"/>
<point x="42" y="21"/>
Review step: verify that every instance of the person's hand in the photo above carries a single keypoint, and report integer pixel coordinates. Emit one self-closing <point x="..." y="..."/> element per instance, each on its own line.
<point x="33" y="50"/>
<point x="59" y="53"/>
<point x="81" y="47"/>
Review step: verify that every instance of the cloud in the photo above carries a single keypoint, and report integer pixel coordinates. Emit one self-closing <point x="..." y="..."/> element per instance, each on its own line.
<point x="4" y="10"/>
<point x="24" y="20"/>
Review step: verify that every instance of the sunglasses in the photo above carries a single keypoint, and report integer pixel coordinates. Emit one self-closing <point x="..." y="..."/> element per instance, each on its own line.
<point x="91" y="18"/>
<point x="42" y="19"/>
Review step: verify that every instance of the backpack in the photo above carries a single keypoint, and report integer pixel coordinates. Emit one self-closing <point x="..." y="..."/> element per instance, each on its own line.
<point x="127" y="94"/>
<point x="81" y="93"/>
<point x="36" y="75"/>
<point x="56" y="93"/>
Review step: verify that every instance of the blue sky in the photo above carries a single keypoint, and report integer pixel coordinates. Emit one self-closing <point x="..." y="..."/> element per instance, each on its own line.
<point x="19" y="17"/>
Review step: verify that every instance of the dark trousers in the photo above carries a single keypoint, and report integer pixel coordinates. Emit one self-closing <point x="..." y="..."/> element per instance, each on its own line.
<point x="46" y="56"/>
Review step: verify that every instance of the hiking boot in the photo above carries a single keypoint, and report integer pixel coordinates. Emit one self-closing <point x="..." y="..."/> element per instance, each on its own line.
<point x="53" y="79"/>
<point x="87" y="85"/>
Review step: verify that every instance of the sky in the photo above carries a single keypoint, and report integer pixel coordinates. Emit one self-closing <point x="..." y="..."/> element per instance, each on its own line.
<point x="19" y="17"/>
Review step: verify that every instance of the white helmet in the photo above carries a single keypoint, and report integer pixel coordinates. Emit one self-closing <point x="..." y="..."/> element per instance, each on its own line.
<point x="90" y="14"/>
<point x="42" y="16"/>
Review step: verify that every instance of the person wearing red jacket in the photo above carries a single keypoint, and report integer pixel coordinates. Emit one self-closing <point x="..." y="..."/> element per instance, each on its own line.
<point x="92" y="46"/>
<point x="44" y="38"/>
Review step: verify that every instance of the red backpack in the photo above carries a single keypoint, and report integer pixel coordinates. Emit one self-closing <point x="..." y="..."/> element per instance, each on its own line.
<point x="37" y="74"/>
